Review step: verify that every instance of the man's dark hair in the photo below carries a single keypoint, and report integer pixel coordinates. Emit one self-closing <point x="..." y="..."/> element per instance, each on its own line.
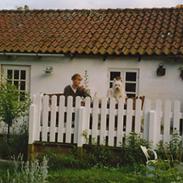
<point x="75" y="76"/>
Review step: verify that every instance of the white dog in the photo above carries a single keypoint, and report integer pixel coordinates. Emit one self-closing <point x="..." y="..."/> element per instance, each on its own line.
<point x="117" y="91"/>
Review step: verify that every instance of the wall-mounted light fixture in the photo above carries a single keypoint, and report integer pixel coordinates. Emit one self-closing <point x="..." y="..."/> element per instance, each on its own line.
<point x="48" y="70"/>
<point x="181" y="72"/>
<point x="161" y="71"/>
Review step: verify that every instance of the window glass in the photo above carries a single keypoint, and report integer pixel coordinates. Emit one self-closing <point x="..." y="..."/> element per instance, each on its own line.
<point x="131" y="76"/>
<point x="130" y="87"/>
<point x="9" y="74"/>
<point x="16" y="74"/>
<point x="23" y="75"/>
<point x="114" y="75"/>
<point x="22" y="85"/>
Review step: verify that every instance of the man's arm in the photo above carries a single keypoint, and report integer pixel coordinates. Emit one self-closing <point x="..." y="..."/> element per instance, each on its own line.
<point x="66" y="91"/>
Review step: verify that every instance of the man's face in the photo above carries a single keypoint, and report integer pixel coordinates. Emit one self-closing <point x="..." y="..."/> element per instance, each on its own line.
<point x="77" y="81"/>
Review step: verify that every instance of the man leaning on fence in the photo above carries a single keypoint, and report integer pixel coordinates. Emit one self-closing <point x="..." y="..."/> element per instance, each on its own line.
<point x="76" y="89"/>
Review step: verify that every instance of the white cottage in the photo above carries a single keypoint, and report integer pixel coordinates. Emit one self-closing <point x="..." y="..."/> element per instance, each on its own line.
<point x="41" y="49"/>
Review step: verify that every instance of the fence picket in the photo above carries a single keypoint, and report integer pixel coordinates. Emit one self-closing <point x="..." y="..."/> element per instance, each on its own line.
<point x="166" y="121"/>
<point x="88" y="110"/>
<point x="111" y="122"/>
<point x="103" y="120"/>
<point x="129" y="114"/>
<point x="95" y="119"/>
<point x="77" y="106"/>
<point x="138" y="114"/>
<point x="120" y="122"/>
<point x="176" y="116"/>
<point x="153" y="125"/>
<point x="158" y="108"/>
<point x="61" y="118"/>
<point x="53" y="118"/>
<point x="45" y="118"/>
<point x="69" y="119"/>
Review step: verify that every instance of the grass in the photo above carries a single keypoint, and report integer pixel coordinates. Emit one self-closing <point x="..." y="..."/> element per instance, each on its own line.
<point x="96" y="175"/>
<point x="104" y="175"/>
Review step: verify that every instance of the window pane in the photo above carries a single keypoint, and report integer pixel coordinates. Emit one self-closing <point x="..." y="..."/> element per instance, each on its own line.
<point x="23" y="75"/>
<point x="131" y="76"/>
<point x="110" y="85"/>
<point x="9" y="74"/>
<point x="131" y="87"/>
<point x="16" y="74"/>
<point x="114" y="75"/>
<point x="16" y="84"/>
<point x="22" y="85"/>
<point x="22" y="96"/>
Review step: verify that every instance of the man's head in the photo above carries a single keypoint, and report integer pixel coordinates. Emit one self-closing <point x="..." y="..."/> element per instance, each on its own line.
<point x="76" y="80"/>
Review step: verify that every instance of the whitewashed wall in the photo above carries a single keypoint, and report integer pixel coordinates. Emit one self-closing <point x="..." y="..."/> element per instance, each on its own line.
<point x="169" y="86"/>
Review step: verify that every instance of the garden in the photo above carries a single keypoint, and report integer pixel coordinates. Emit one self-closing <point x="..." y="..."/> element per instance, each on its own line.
<point x="91" y="164"/>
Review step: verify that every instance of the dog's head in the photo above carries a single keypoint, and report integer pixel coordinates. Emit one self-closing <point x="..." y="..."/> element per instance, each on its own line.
<point x="117" y="85"/>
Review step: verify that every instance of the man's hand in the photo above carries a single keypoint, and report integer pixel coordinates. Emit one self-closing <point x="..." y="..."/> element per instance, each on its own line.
<point x="81" y="88"/>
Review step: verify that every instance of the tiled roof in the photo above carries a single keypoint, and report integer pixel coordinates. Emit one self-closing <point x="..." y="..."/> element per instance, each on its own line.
<point x="104" y="32"/>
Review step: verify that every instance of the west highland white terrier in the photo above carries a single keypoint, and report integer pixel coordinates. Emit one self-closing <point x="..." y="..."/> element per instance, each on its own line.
<point x="117" y="91"/>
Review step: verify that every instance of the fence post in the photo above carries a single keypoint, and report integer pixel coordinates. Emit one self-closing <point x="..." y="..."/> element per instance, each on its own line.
<point x="81" y="121"/>
<point x="152" y="128"/>
<point x="33" y="113"/>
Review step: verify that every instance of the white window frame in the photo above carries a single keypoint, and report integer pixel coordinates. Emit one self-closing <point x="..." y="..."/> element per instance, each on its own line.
<point x="6" y="67"/>
<point x="123" y="75"/>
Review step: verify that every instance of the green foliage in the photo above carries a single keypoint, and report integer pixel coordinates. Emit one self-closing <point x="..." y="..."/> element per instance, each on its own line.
<point x="160" y="174"/>
<point x="16" y="145"/>
<point x="161" y="171"/>
<point x="58" y="161"/>
<point x="173" y="150"/>
<point x="100" y="156"/>
<point x="12" y="104"/>
<point x="26" y="172"/>
<point x="131" y="152"/>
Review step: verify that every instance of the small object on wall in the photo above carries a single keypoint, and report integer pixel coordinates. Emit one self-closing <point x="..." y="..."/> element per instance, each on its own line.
<point x="48" y="70"/>
<point x="161" y="71"/>
<point x="181" y="72"/>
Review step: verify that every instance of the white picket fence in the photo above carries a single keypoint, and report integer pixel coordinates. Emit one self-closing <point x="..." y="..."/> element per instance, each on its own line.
<point x="101" y="121"/>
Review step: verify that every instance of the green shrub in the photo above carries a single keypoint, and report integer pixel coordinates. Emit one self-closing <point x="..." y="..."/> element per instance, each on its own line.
<point x="100" y="156"/>
<point x="16" y="145"/>
<point x="173" y="150"/>
<point x="59" y="161"/>
<point x="131" y="152"/>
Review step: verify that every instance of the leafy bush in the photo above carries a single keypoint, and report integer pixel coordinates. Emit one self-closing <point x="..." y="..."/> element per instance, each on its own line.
<point x="16" y="145"/>
<point x="26" y="172"/>
<point x="173" y="150"/>
<point x="58" y="161"/>
<point x="131" y="152"/>
<point x="163" y="172"/>
<point x="100" y="156"/>
<point x="13" y="104"/>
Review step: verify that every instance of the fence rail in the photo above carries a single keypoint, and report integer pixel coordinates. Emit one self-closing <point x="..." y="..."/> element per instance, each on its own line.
<point x="101" y="121"/>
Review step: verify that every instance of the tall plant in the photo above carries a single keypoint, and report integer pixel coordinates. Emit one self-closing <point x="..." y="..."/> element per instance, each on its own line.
<point x="13" y="104"/>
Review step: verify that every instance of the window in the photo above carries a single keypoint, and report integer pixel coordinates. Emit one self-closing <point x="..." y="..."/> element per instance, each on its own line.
<point x="19" y="76"/>
<point x="130" y="79"/>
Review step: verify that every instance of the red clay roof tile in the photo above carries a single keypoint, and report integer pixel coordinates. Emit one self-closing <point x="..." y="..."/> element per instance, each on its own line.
<point x="120" y="32"/>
